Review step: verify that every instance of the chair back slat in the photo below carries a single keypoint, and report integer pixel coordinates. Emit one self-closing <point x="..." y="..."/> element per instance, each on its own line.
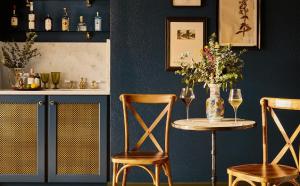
<point x="269" y="104"/>
<point x="148" y="98"/>
<point x="128" y="99"/>
<point x="282" y="103"/>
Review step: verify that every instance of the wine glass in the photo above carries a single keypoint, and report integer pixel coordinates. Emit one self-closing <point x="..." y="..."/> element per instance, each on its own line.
<point x="187" y="96"/>
<point x="45" y="79"/>
<point x="235" y="99"/>
<point x="55" y="76"/>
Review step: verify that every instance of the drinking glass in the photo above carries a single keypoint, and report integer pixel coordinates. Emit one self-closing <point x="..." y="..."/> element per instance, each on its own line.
<point x="45" y="79"/>
<point x="55" y="77"/>
<point x="235" y="99"/>
<point x="187" y="96"/>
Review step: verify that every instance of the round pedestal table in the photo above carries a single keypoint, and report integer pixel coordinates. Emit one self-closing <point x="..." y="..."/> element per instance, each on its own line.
<point x="203" y="124"/>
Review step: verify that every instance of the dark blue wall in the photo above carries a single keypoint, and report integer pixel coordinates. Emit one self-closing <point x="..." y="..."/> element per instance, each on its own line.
<point x="138" y="57"/>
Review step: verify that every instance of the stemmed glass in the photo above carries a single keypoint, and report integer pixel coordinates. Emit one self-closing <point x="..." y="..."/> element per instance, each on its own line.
<point x="187" y="96"/>
<point x="45" y="79"/>
<point x="235" y="99"/>
<point x="55" y="76"/>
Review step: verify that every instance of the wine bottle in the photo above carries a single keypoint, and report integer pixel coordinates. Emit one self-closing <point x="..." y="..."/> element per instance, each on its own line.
<point x="98" y="22"/>
<point x="48" y="23"/>
<point x="65" y="22"/>
<point x="31" y="18"/>
<point x="81" y="25"/>
<point x="14" y="18"/>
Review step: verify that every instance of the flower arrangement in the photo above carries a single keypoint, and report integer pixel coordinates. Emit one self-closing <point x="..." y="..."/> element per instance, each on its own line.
<point x="19" y="55"/>
<point x="218" y="65"/>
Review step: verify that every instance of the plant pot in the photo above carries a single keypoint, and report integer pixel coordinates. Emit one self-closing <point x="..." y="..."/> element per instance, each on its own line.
<point x="214" y="104"/>
<point x="14" y="78"/>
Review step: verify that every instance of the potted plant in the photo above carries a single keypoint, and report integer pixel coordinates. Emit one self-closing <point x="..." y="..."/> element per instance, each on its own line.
<point x="16" y="56"/>
<point x="219" y="67"/>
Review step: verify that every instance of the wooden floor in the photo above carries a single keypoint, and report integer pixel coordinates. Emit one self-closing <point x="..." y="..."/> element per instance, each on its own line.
<point x="175" y="184"/>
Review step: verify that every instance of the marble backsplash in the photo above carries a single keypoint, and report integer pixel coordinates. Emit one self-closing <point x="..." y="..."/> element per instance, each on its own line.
<point x="73" y="60"/>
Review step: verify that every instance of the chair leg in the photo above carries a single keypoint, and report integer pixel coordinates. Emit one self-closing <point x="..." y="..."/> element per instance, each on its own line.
<point x="114" y="181"/>
<point x="157" y="171"/>
<point x="169" y="174"/>
<point x="229" y="180"/>
<point x="124" y="180"/>
<point x="264" y="184"/>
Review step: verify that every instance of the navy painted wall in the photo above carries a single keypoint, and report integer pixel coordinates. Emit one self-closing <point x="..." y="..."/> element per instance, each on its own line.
<point x="138" y="57"/>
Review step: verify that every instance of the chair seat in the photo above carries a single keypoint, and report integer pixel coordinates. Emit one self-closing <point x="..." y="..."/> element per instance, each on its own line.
<point x="140" y="158"/>
<point x="261" y="173"/>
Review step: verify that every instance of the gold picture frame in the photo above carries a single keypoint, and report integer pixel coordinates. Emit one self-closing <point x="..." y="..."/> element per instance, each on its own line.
<point x="239" y="23"/>
<point x="187" y="3"/>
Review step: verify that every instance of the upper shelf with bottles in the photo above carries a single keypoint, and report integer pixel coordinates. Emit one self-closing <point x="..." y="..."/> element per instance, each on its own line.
<point x="56" y="22"/>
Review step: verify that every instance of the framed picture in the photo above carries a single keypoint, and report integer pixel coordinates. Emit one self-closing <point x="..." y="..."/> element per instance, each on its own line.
<point x="184" y="35"/>
<point x="239" y="23"/>
<point x="187" y="3"/>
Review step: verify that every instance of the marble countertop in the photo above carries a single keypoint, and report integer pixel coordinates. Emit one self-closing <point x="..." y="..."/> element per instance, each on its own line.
<point x="56" y="92"/>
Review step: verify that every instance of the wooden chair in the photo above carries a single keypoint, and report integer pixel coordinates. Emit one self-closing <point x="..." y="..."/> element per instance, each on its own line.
<point x="135" y="157"/>
<point x="271" y="173"/>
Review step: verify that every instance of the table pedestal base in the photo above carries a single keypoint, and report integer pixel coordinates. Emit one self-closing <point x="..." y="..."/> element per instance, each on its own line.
<point x="213" y="159"/>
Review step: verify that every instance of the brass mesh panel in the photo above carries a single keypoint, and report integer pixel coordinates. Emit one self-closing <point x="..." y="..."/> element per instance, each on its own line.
<point x="78" y="139"/>
<point x="18" y="139"/>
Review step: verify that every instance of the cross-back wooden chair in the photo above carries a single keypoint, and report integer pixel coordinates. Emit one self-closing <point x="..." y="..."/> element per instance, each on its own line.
<point x="136" y="158"/>
<point x="271" y="173"/>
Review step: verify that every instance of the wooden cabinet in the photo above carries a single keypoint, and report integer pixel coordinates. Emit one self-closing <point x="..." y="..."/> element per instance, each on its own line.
<point x="77" y="139"/>
<point x="76" y="133"/>
<point x="22" y="138"/>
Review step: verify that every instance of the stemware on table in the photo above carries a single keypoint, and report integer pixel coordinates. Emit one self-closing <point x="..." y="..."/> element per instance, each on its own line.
<point x="187" y="96"/>
<point x="235" y="99"/>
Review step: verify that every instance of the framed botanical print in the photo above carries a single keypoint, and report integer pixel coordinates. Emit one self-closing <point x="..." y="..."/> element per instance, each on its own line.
<point x="184" y="35"/>
<point x="186" y="3"/>
<point x="239" y="23"/>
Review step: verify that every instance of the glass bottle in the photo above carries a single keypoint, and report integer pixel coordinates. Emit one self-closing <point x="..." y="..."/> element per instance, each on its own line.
<point x="98" y="22"/>
<point x="14" y="18"/>
<point x="81" y="25"/>
<point x="65" y="21"/>
<point x="31" y="78"/>
<point x="37" y="80"/>
<point x="31" y="18"/>
<point x="48" y="23"/>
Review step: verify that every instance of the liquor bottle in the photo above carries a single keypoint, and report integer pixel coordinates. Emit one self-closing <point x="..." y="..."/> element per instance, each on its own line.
<point x="37" y="80"/>
<point x="65" y="21"/>
<point x="27" y="3"/>
<point x="48" y="23"/>
<point x="31" y="18"/>
<point x="81" y="25"/>
<point x="98" y="22"/>
<point x="14" y="18"/>
<point x="31" y="77"/>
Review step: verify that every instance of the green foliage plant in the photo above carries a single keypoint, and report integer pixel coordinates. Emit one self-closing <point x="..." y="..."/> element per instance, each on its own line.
<point x="218" y="65"/>
<point x="16" y="55"/>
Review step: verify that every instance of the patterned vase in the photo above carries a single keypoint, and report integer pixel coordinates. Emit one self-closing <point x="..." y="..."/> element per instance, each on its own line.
<point x="214" y="104"/>
<point x="15" y="76"/>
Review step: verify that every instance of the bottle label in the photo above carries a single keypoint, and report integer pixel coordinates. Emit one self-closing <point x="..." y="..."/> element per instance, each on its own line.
<point x="30" y="80"/>
<point x="14" y="21"/>
<point x="65" y="25"/>
<point x="31" y="17"/>
<point x="31" y="25"/>
<point x="98" y="25"/>
<point x="82" y="28"/>
<point x="48" y="24"/>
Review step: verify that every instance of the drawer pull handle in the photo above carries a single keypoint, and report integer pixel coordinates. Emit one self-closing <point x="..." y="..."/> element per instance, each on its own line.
<point x="51" y="102"/>
<point x="41" y="103"/>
